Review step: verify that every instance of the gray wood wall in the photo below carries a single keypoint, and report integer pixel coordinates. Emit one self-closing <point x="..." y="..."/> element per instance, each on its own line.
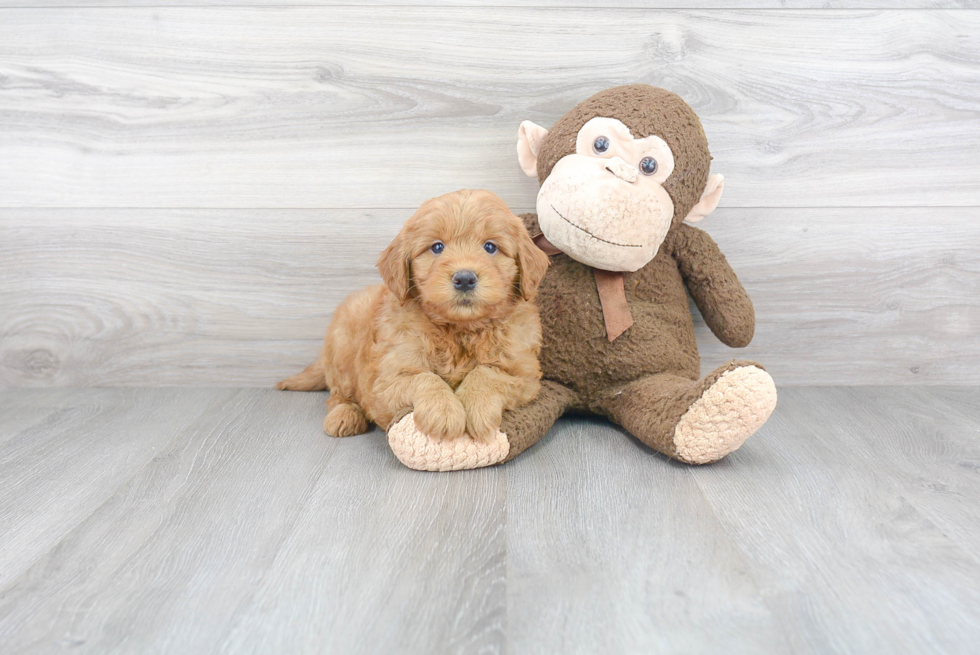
<point x="187" y="191"/>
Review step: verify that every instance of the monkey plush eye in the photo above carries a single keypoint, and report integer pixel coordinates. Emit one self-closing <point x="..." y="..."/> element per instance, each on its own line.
<point x="648" y="165"/>
<point x="601" y="145"/>
<point x="490" y="247"/>
<point x="437" y="247"/>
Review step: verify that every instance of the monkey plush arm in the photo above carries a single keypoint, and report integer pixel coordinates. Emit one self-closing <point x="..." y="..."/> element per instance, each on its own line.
<point x="712" y="283"/>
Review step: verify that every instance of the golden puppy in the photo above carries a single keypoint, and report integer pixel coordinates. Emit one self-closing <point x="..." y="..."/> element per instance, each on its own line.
<point x="452" y="335"/>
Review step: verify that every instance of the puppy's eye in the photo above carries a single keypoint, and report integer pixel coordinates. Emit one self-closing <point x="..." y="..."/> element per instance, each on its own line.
<point x="601" y="144"/>
<point x="437" y="247"/>
<point x="490" y="247"/>
<point x="648" y="165"/>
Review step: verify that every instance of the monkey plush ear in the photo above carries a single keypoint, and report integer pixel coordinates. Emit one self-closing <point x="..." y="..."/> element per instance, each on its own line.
<point x="393" y="264"/>
<point x="709" y="199"/>
<point x="529" y="139"/>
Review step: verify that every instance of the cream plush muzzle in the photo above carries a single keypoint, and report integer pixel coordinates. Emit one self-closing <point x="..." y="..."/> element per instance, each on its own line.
<point x="599" y="206"/>
<point x="603" y="213"/>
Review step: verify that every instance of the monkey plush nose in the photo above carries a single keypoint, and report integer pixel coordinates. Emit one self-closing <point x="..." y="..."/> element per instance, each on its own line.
<point x="618" y="167"/>
<point x="464" y="280"/>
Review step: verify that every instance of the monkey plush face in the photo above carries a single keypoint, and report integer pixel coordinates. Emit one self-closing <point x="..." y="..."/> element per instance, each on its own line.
<point x="617" y="172"/>
<point x="606" y="200"/>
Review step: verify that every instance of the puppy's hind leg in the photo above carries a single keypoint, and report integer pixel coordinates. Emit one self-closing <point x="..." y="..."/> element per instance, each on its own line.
<point x="345" y="418"/>
<point x="312" y="378"/>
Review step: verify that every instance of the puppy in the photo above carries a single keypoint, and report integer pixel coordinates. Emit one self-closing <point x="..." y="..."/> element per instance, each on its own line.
<point x="452" y="335"/>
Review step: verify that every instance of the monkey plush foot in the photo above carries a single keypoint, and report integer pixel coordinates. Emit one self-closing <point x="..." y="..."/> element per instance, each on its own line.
<point x="418" y="451"/>
<point x="726" y="414"/>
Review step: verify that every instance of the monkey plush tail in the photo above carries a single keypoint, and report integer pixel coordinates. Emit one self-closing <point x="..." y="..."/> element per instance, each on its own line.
<point x="312" y="378"/>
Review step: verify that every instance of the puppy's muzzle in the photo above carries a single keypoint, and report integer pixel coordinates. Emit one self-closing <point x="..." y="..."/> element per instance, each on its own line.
<point x="464" y="281"/>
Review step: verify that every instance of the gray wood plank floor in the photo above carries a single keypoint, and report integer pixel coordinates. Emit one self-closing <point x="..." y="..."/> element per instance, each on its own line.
<point x="222" y="520"/>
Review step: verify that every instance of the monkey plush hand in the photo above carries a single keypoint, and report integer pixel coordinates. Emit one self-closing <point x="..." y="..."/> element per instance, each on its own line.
<point x="622" y="174"/>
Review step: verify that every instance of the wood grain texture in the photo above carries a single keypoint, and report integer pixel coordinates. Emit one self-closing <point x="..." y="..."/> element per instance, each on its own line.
<point x="932" y="449"/>
<point x="252" y="532"/>
<point x="208" y="297"/>
<point x="809" y="539"/>
<point x="56" y="472"/>
<point x="828" y="519"/>
<point x="223" y="521"/>
<point x="594" y="4"/>
<point x="611" y="548"/>
<point x="20" y="411"/>
<point x="363" y="107"/>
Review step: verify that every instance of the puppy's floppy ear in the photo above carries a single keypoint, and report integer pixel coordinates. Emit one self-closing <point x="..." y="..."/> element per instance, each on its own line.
<point x="531" y="261"/>
<point x="394" y="266"/>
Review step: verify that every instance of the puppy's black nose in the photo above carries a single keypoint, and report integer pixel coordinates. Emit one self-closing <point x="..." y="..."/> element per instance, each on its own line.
<point x="464" y="280"/>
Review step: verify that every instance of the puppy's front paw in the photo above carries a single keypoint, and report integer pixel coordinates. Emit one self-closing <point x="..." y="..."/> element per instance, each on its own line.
<point x="441" y="416"/>
<point x="483" y="418"/>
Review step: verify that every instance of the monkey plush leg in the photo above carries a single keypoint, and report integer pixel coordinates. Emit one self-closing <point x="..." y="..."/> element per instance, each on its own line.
<point x="526" y="426"/>
<point x="519" y="430"/>
<point x="696" y="422"/>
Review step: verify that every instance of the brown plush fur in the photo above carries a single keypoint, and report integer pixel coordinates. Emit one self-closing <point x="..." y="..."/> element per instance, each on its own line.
<point x="648" y="377"/>
<point x="458" y="359"/>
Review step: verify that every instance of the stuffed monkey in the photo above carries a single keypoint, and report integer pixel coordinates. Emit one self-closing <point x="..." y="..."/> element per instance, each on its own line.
<point x="622" y="175"/>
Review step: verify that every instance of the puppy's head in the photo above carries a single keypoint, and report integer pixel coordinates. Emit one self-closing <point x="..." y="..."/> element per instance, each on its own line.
<point x="463" y="257"/>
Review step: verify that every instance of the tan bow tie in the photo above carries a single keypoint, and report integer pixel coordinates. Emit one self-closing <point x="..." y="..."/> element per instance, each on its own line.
<point x="612" y="293"/>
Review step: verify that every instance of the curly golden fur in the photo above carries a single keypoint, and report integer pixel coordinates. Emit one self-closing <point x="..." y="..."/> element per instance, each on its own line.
<point x="457" y="358"/>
